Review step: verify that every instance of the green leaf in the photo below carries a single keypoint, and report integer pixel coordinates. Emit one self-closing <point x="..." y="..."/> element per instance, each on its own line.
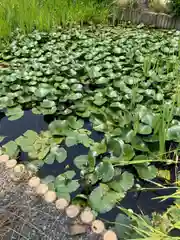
<point x="11" y="149"/>
<point x="81" y="161"/>
<point x="69" y="174"/>
<point x="173" y="133"/>
<point x="42" y="92"/>
<point x="47" y="104"/>
<point x="63" y="195"/>
<point x="115" y="147"/>
<point x="50" y="158"/>
<point x="2" y="138"/>
<point x="99" y="148"/>
<point x="48" y="179"/>
<point x="105" y="171"/>
<point x="118" y="105"/>
<point x="144" y="129"/>
<point x="150" y="119"/>
<point x="74" y="123"/>
<point x="61" y="155"/>
<point x="71" y="141"/>
<point x="123" y="183"/>
<point x="94" y="72"/>
<point x="66" y="186"/>
<point x="138" y="144"/>
<point x="128" y="152"/>
<point x="146" y="172"/>
<point x="59" y="127"/>
<point x="91" y="160"/>
<point x="122" y="224"/>
<point x="102" y="199"/>
<point x="14" y="113"/>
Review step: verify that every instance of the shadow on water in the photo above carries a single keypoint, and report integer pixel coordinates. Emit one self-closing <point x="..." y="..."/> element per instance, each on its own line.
<point x="138" y="202"/>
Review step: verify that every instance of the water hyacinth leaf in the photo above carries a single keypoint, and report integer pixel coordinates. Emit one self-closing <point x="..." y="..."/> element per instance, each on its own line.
<point x="81" y="161"/>
<point x="71" y="141"/>
<point x="51" y="186"/>
<point x="128" y="152"/>
<point x="126" y="135"/>
<point x="98" y="125"/>
<point x="11" y="149"/>
<point x="123" y="183"/>
<point x="105" y="171"/>
<point x="74" y="123"/>
<point x="85" y="140"/>
<point x="48" y="179"/>
<point x="144" y="129"/>
<point x="150" y="119"/>
<point x="35" y="165"/>
<point x="102" y="199"/>
<point x="118" y="105"/>
<point x="66" y="186"/>
<point x="99" y="101"/>
<point x="61" y="155"/>
<point x="91" y="160"/>
<point x="32" y="135"/>
<point x="42" y="92"/>
<point x="72" y="186"/>
<point x="102" y="80"/>
<point x="58" y="127"/>
<point x="63" y="195"/>
<point x="138" y="144"/>
<point x="50" y="158"/>
<point x="69" y="174"/>
<point x="99" y="148"/>
<point x="92" y="178"/>
<point x="14" y="113"/>
<point x="146" y="172"/>
<point x="165" y="174"/>
<point x="94" y="72"/>
<point x="2" y="138"/>
<point x="122" y="224"/>
<point x="47" y="104"/>
<point x="173" y="133"/>
<point x="115" y="147"/>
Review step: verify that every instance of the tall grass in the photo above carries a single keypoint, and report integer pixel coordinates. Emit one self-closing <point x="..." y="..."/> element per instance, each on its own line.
<point x="44" y="14"/>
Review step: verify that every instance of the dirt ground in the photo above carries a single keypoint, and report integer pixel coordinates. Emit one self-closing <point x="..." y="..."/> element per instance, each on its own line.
<point x="25" y="216"/>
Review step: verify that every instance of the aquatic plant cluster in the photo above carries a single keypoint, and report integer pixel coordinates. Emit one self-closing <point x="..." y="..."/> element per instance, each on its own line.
<point x="125" y="81"/>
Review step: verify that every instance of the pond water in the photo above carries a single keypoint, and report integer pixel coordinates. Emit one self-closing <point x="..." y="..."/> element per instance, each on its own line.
<point x="138" y="202"/>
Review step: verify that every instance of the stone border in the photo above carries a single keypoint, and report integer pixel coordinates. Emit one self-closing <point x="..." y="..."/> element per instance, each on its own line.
<point x="82" y="216"/>
<point x="137" y="16"/>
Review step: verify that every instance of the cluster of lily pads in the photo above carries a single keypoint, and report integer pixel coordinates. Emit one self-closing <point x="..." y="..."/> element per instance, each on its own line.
<point x="125" y="81"/>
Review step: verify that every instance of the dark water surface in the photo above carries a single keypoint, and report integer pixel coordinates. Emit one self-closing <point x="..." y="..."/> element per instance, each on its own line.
<point x="138" y="202"/>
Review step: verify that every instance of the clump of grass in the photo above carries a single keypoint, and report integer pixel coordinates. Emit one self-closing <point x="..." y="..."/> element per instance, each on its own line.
<point x="45" y="14"/>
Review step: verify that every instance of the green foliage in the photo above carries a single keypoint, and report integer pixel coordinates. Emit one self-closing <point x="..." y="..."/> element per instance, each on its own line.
<point x="43" y="15"/>
<point x="123" y="80"/>
<point x="175" y="7"/>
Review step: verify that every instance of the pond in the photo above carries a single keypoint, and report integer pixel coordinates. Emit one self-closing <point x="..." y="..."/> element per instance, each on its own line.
<point x="113" y="94"/>
<point x="138" y="202"/>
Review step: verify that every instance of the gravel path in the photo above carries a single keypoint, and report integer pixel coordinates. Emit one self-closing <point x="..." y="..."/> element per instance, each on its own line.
<point x="25" y="216"/>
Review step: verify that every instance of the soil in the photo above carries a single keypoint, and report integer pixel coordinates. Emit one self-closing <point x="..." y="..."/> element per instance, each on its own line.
<point x="24" y="215"/>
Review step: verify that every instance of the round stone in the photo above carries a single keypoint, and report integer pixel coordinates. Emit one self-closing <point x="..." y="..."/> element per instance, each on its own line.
<point x="34" y="182"/>
<point x="61" y="204"/>
<point x="110" y="235"/>
<point x="50" y="196"/>
<point x="41" y="189"/>
<point x="4" y="158"/>
<point x="98" y="227"/>
<point x="87" y="216"/>
<point x="11" y="163"/>
<point x="72" y="211"/>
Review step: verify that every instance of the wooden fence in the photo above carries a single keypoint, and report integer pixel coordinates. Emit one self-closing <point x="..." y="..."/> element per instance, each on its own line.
<point x="159" y="20"/>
